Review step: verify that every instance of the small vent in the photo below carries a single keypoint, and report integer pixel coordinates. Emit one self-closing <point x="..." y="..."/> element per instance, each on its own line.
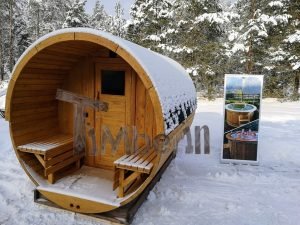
<point x="112" y="54"/>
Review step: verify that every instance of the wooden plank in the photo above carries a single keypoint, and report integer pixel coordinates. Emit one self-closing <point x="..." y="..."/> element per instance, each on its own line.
<point x="34" y="99"/>
<point x="78" y="99"/>
<point x="31" y="114"/>
<point x="121" y="184"/>
<point x="42" y="71"/>
<point x="63" y="164"/>
<point x="31" y="136"/>
<point x="64" y="37"/>
<point x="39" y="81"/>
<point x="38" y="126"/>
<point x="29" y="93"/>
<point x="35" y="87"/>
<point x="57" y="62"/>
<point x="143" y="166"/>
<point x="41" y="160"/>
<point x="69" y="50"/>
<point x="140" y="110"/>
<point x="149" y="118"/>
<point x="59" y="150"/>
<point x="131" y="178"/>
<point x="17" y="70"/>
<point x="97" y="40"/>
<point x="35" y="65"/>
<point x="158" y="116"/>
<point x="59" y="158"/>
<point x="47" y="54"/>
<point x="28" y="106"/>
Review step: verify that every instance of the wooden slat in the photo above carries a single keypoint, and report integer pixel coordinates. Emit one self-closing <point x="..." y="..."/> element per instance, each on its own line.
<point x="146" y="166"/>
<point x="131" y="178"/>
<point x="35" y="99"/>
<point x="38" y="126"/>
<point x="59" y="150"/>
<point x="39" y="81"/>
<point x="34" y="87"/>
<point x="23" y="117"/>
<point x="54" y="56"/>
<point x="140" y="110"/>
<point x="59" y="158"/>
<point x="43" y="71"/>
<point x="41" y="160"/>
<point x="63" y="164"/>
<point x="31" y="106"/>
<point x="32" y="136"/>
<point x="50" y="62"/>
<point x="30" y="93"/>
<point x="47" y="66"/>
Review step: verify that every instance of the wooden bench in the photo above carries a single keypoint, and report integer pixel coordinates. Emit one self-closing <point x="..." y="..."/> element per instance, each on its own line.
<point x="129" y="168"/>
<point x="54" y="153"/>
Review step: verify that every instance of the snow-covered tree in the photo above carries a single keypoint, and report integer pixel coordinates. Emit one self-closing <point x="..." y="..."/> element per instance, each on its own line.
<point x="117" y="22"/>
<point x="150" y="19"/>
<point x="76" y="15"/>
<point x="99" y="19"/>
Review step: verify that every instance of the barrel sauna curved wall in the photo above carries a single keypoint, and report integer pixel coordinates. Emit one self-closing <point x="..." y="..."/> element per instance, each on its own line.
<point x="142" y="89"/>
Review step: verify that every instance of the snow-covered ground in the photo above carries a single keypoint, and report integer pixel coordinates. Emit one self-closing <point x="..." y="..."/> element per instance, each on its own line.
<point x="195" y="189"/>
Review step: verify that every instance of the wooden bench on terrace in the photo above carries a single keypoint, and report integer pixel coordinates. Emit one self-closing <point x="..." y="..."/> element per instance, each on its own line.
<point x="128" y="168"/>
<point x="54" y="153"/>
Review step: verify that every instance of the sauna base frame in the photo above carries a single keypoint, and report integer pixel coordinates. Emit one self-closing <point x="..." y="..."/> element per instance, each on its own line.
<point x="121" y="215"/>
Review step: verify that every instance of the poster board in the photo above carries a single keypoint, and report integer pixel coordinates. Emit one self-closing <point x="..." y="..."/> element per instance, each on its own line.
<point x="242" y="112"/>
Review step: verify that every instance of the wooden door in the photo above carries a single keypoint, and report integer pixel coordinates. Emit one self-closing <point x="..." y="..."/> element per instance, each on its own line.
<point x="115" y="87"/>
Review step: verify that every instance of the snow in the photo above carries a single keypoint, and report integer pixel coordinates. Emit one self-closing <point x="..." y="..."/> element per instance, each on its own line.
<point x="165" y="74"/>
<point x="294" y="37"/>
<point x="276" y="4"/>
<point x="89" y="183"/>
<point x="195" y="189"/>
<point x="3" y="89"/>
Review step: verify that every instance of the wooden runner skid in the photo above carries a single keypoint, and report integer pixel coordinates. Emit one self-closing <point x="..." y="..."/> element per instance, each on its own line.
<point x="54" y="153"/>
<point x="139" y="163"/>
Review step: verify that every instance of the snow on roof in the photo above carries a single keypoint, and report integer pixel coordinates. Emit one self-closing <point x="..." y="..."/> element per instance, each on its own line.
<point x="174" y="86"/>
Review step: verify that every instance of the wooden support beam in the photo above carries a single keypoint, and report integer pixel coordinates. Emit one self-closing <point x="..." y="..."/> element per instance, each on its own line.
<point x="77" y="99"/>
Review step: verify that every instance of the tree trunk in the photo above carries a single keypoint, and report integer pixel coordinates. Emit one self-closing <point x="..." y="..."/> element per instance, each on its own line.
<point x="1" y="45"/>
<point x="11" y="36"/>
<point x="1" y="54"/>
<point x="250" y="63"/>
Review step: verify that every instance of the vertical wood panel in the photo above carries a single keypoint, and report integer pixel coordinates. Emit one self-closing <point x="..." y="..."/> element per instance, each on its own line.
<point x="140" y="110"/>
<point x="149" y="119"/>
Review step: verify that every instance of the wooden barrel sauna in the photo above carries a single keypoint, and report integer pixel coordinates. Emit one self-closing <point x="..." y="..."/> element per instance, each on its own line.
<point x="140" y="88"/>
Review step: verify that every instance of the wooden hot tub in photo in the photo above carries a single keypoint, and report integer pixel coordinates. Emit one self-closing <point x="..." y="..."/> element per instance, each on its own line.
<point x="243" y="147"/>
<point x="239" y="113"/>
<point x="121" y="85"/>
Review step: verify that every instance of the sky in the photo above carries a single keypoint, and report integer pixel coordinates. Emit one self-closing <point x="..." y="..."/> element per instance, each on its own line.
<point x="109" y="6"/>
<point x="250" y="85"/>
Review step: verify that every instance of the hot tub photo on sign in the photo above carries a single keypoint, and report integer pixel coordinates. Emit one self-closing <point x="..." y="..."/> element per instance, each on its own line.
<point x="241" y="117"/>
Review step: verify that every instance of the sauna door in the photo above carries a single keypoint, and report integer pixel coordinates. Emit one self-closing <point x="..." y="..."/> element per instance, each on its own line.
<point x="112" y="86"/>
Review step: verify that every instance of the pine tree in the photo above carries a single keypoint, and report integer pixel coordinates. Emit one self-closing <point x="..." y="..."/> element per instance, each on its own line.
<point x="76" y="16"/>
<point x="149" y="21"/>
<point x="117" y="22"/>
<point x="99" y="19"/>
<point x="292" y="45"/>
